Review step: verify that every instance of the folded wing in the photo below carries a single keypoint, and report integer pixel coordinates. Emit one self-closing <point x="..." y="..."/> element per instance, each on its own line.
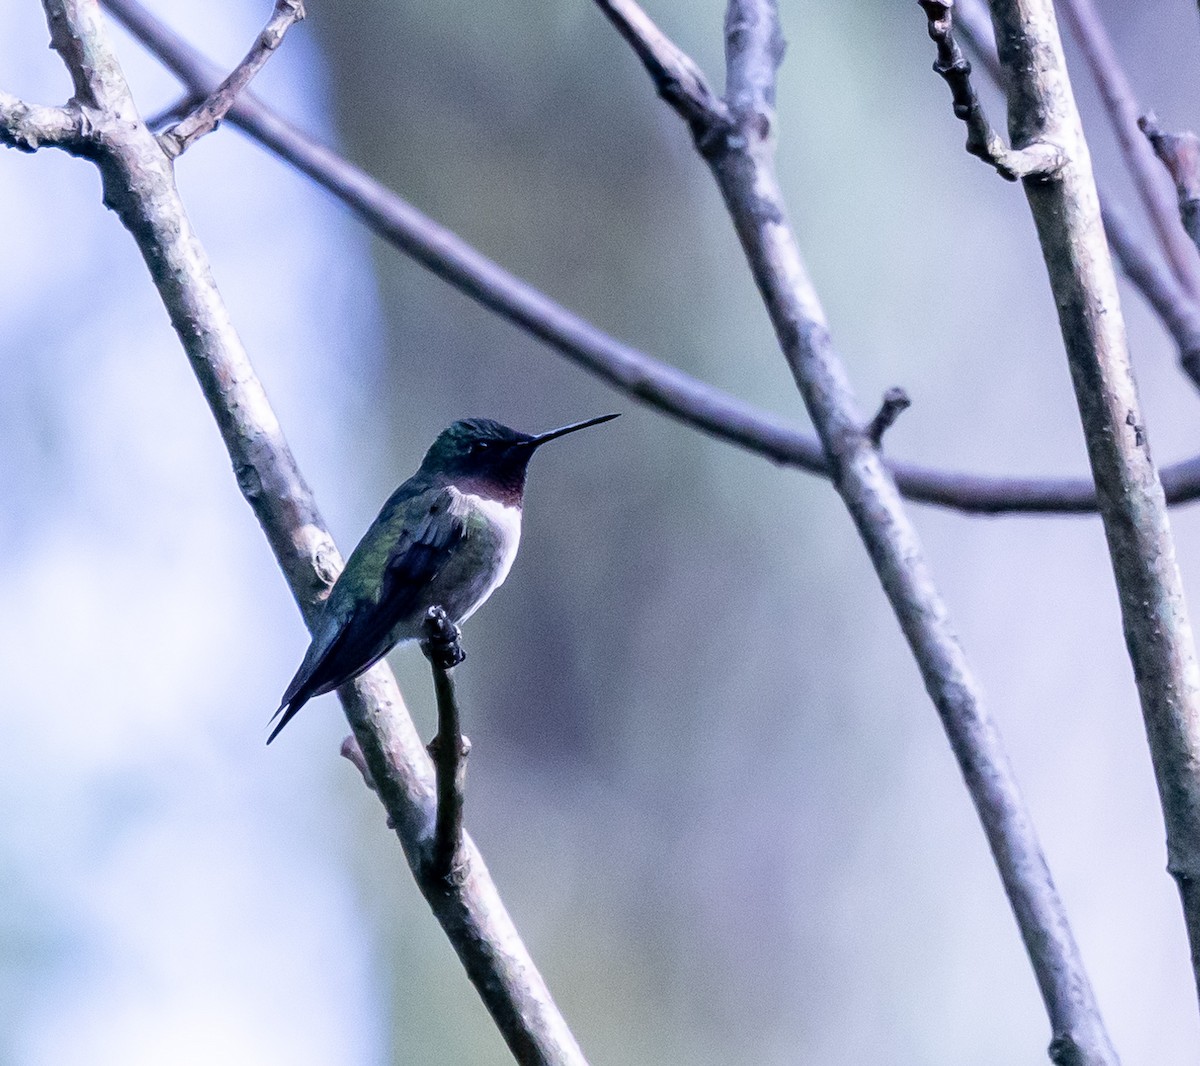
<point x="384" y="582"/>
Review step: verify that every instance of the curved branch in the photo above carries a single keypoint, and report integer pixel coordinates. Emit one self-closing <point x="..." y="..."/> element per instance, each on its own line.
<point x="658" y="385"/>
<point x="1012" y="164"/>
<point x="139" y="186"/>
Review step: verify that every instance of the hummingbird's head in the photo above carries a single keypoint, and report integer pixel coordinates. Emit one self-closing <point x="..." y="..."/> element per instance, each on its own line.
<point x="488" y="458"/>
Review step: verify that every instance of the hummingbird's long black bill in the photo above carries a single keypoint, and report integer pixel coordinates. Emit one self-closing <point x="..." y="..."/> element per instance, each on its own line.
<point x="541" y="438"/>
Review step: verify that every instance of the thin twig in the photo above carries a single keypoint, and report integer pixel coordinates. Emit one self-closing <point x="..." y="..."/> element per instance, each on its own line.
<point x="895" y="402"/>
<point x="139" y="186"/>
<point x="638" y="375"/>
<point x="1036" y="160"/>
<point x="1158" y="632"/>
<point x="206" y="115"/>
<point x="449" y="749"/>
<point x="1180" y="155"/>
<point x="745" y="173"/>
<point x="1123" y="112"/>
<point x="678" y="80"/>
<point x="1178" y="311"/>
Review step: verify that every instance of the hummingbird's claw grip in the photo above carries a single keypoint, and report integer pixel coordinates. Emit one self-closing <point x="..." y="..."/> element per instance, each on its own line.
<point x="442" y="641"/>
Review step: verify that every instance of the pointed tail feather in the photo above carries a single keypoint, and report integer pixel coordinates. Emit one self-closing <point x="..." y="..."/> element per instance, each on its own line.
<point x="289" y="710"/>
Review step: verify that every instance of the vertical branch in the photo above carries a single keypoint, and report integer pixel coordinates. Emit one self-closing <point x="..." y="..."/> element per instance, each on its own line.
<point x="1158" y="632"/>
<point x="449" y="748"/>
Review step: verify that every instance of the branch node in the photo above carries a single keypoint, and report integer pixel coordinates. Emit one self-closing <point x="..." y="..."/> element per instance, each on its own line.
<point x="353" y="753"/>
<point x="895" y="402"/>
<point x="1039" y="160"/>
<point x="173" y="113"/>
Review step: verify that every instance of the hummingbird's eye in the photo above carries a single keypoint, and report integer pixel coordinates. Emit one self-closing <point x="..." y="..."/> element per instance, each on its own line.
<point x="480" y="446"/>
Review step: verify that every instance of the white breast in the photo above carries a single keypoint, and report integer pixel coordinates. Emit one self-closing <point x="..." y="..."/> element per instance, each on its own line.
<point x="504" y="528"/>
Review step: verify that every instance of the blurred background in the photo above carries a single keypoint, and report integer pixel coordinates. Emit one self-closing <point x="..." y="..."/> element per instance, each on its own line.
<point x="705" y="774"/>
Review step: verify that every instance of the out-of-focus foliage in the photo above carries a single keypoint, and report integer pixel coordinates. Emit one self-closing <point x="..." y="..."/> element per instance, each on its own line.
<point x="705" y="774"/>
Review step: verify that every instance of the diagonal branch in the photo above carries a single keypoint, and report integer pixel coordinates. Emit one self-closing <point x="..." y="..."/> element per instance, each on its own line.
<point x="1179" y="153"/>
<point x="204" y="117"/>
<point x="678" y="79"/>
<point x="638" y="375"/>
<point x="139" y="186"/>
<point x="1177" y="310"/>
<point x="745" y="172"/>
<point x="1123" y="113"/>
<point x="1154" y="614"/>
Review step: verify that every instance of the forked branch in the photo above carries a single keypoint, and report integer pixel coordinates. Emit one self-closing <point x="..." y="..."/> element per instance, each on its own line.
<point x="204" y="117"/>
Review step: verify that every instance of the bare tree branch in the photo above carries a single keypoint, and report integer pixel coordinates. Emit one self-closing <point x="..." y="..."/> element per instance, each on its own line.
<point x="656" y="384"/>
<point x="1033" y="161"/>
<point x="139" y="186"/>
<point x="895" y="403"/>
<point x="1178" y="311"/>
<point x="1180" y="154"/>
<point x="678" y="80"/>
<point x="1158" y="632"/>
<point x="1123" y="113"/>
<point x="449" y="749"/>
<point x="28" y="127"/>
<point x="205" y="116"/>
<point x="743" y="165"/>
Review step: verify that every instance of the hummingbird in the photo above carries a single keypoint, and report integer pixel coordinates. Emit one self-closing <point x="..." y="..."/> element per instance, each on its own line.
<point x="447" y="537"/>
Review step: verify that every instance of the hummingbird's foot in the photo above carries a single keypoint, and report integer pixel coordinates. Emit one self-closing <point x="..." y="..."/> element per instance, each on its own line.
<point x="442" y="643"/>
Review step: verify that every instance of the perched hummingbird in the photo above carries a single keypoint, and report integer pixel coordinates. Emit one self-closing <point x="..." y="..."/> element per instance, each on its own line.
<point x="446" y="537"/>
